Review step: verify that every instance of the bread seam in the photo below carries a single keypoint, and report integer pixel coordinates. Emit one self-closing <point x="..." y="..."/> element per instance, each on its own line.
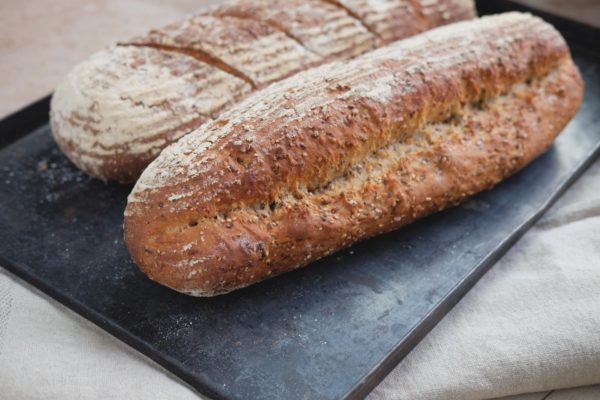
<point x="273" y="24"/>
<point x="199" y="55"/>
<point x="262" y="14"/>
<point x="354" y="15"/>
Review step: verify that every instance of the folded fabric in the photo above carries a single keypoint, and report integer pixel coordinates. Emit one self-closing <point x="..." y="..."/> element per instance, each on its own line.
<point x="530" y="324"/>
<point x="580" y="393"/>
<point x="49" y="352"/>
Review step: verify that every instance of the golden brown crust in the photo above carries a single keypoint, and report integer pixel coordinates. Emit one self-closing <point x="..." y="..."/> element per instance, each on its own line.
<point x="347" y="151"/>
<point x="234" y="49"/>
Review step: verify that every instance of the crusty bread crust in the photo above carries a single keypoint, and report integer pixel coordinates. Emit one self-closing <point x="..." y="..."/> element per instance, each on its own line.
<point x="113" y="128"/>
<point x="326" y="30"/>
<point x="393" y="19"/>
<point x="117" y="110"/>
<point x="350" y="150"/>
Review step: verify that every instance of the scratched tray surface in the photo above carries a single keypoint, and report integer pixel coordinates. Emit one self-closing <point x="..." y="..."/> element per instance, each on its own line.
<point x="330" y="330"/>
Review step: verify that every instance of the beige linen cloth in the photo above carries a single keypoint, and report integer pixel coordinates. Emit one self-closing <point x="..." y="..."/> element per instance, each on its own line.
<point x="531" y="325"/>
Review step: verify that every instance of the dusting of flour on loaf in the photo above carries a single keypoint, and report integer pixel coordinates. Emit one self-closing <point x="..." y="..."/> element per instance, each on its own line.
<point x="128" y="97"/>
<point x="297" y="97"/>
<point x="253" y="49"/>
<point x="323" y="28"/>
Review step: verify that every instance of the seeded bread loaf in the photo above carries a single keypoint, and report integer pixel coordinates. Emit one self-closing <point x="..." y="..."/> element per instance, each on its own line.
<point x="117" y="110"/>
<point x="349" y="150"/>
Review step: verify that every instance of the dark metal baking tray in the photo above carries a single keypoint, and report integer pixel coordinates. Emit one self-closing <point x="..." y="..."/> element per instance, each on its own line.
<point x="331" y="330"/>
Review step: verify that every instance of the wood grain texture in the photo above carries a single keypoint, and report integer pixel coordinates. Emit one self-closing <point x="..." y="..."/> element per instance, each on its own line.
<point x="258" y="42"/>
<point x="349" y="150"/>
